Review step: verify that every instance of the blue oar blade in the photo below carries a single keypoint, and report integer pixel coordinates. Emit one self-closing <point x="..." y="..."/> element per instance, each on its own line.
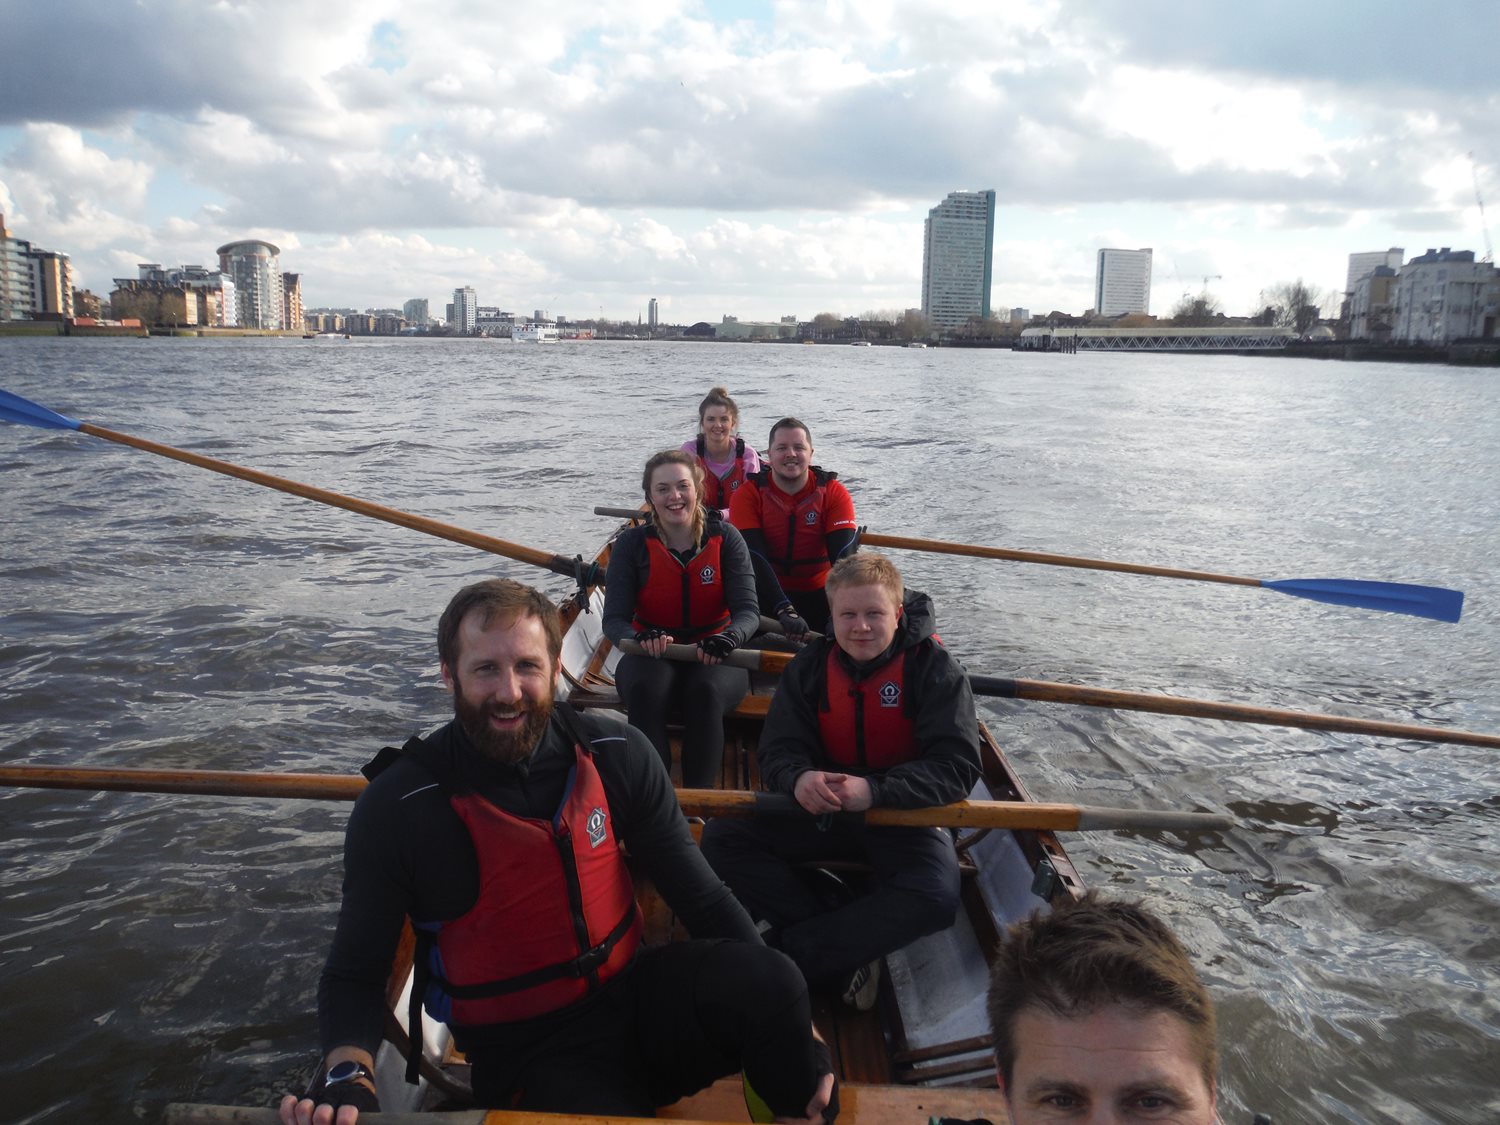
<point x="14" y="408"/>
<point x="1435" y="602"/>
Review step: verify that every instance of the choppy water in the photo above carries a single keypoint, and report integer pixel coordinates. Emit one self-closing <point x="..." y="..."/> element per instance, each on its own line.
<point x="151" y="614"/>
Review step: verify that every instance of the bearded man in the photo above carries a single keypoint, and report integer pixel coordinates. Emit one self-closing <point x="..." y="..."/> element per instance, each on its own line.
<point x="499" y="836"/>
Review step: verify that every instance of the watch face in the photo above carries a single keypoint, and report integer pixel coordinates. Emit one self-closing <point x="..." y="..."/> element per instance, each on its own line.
<point x="343" y="1072"/>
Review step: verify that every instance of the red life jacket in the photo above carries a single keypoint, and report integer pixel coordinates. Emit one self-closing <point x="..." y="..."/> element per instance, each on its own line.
<point x="556" y="915"/>
<point x="718" y="490"/>
<point x="793" y="527"/>
<point x="684" y="599"/>
<point x="867" y="723"/>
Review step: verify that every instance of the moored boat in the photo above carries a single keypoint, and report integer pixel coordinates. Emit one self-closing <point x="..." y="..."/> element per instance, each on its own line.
<point x="928" y="1027"/>
<point x="534" y="333"/>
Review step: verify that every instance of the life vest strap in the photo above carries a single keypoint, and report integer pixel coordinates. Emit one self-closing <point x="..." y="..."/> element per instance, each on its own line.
<point x="590" y="961"/>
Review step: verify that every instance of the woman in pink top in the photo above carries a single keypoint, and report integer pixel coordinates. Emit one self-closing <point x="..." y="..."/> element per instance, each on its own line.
<point x="727" y="459"/>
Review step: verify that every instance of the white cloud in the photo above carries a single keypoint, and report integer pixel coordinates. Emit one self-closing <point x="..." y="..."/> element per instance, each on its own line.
<point x="786" y="155"/>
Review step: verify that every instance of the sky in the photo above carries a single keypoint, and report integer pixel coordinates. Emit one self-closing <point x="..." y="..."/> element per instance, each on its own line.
<point x="752" y="159"/>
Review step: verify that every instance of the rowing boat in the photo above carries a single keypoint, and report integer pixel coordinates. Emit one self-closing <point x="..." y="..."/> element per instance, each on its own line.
<point x="928" y="1028"/>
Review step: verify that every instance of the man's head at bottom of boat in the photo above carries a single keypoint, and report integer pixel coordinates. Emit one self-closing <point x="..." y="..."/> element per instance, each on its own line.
<point x="1099" y="1016"/>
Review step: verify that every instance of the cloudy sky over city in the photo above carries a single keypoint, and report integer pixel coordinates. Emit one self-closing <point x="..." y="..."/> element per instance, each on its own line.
<point x="756" y="159"/>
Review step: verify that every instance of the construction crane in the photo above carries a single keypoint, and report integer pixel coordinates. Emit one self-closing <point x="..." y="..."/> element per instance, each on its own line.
<point x="1484" y="226"/>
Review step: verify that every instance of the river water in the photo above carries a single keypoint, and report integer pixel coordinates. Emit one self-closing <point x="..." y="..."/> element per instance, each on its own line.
<point x="151" y="614"/>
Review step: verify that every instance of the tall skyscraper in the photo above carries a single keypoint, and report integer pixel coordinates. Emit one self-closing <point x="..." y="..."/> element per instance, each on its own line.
<point x="254" y="268"/>
<point x="465" y="311"/>
<point x="958" y="252"/>
<point x="17" y="294"/>
<point x="1361" y="264"/>
<point x="651" y="314"/>
<point x="1122" y="282"/>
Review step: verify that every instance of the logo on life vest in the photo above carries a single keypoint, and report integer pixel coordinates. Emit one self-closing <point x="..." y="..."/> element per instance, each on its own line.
<point x="890" y="694"/>
<point x="595" y="827"/>
<point x="706" y="576"/>
<point x="810" y="519"/>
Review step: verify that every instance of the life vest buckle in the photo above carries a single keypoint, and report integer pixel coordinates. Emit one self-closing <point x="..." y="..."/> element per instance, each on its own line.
<point x="587" y="963"/>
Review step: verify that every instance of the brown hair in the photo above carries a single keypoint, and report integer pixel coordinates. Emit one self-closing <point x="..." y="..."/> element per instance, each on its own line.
<point x="496" y="597"/>
<point x="679" y="457"/>
<point x="1092" y="954"/>
<point x="865" y="569"/>
<point x="719" y="396"/>
<point x="789" y="423"/>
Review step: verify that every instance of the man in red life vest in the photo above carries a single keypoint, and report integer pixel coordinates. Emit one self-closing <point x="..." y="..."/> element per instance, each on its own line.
<point x="798" y="519"/>
<point x="499" y="837"/>
<point x="879" y="716"/>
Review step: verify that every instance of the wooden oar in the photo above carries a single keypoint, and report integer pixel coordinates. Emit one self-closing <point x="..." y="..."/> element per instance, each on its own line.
<point x="1043" y="691"/>
<point x="14" y="408"/>
<point x="695" y="802"/>
<point x="1435" y="602"/>
<point x="963" y="814"/>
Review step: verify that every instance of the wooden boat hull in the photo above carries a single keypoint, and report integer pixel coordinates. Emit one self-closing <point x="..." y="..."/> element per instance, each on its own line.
<point x="929" y="1028"/>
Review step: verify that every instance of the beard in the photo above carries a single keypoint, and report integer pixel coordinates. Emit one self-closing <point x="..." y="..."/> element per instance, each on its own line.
<point x="503" y="746"/>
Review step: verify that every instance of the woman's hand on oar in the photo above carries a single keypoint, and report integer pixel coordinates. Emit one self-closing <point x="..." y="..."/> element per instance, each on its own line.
<point x="1043" y="691"/>
<point x="1435" y="602"/>
<point x="14" y="408"/>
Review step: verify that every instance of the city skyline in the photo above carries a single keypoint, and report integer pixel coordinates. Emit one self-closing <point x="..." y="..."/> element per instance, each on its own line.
<point x="747" y="159"/>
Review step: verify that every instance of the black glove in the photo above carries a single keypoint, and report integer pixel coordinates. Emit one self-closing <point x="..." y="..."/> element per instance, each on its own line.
<point x="649" y="635"/>
<point x="719" y="645"/>
<point x="792" y="622"/>
<point x="357" y="1094"/>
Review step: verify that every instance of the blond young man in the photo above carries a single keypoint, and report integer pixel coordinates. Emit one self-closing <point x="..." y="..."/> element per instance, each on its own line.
<point x="878" y="715"/>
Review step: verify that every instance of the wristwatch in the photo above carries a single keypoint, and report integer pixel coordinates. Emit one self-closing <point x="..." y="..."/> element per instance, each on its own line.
<point x="341" y="1074"/>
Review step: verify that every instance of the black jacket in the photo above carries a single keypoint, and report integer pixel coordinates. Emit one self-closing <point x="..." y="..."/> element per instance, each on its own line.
<point x="947" y="728"/>
<point x="406" y="853"/>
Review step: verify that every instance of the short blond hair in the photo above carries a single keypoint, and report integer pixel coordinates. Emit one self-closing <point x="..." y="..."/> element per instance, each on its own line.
<point x="865" y="569"/>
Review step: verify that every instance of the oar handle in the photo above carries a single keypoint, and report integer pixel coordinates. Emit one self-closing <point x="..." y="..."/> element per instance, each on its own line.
<point x="754" y="659"/>
<point x="695" y="802"/>
<point x="1020" y="815"/>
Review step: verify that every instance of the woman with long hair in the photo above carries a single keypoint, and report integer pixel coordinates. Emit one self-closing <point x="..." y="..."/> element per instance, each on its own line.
<point x="725" y="457"/>
<point x="684" y="576"/>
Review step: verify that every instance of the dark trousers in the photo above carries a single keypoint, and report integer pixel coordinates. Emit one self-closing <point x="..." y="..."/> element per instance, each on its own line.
<point x="915" y="886"/>
<point x="682" y="1016"/>
<point x="703" y="695"/>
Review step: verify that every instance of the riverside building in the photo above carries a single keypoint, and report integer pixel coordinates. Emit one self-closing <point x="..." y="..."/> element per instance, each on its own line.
<point x="259" y="290"/>
<point x="465" y="311"/>
<point x="1362" y="264"/>
<point x="1445" y="295"/>
<point x="958" y="252"/>
<point x="1122" y="282"/>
